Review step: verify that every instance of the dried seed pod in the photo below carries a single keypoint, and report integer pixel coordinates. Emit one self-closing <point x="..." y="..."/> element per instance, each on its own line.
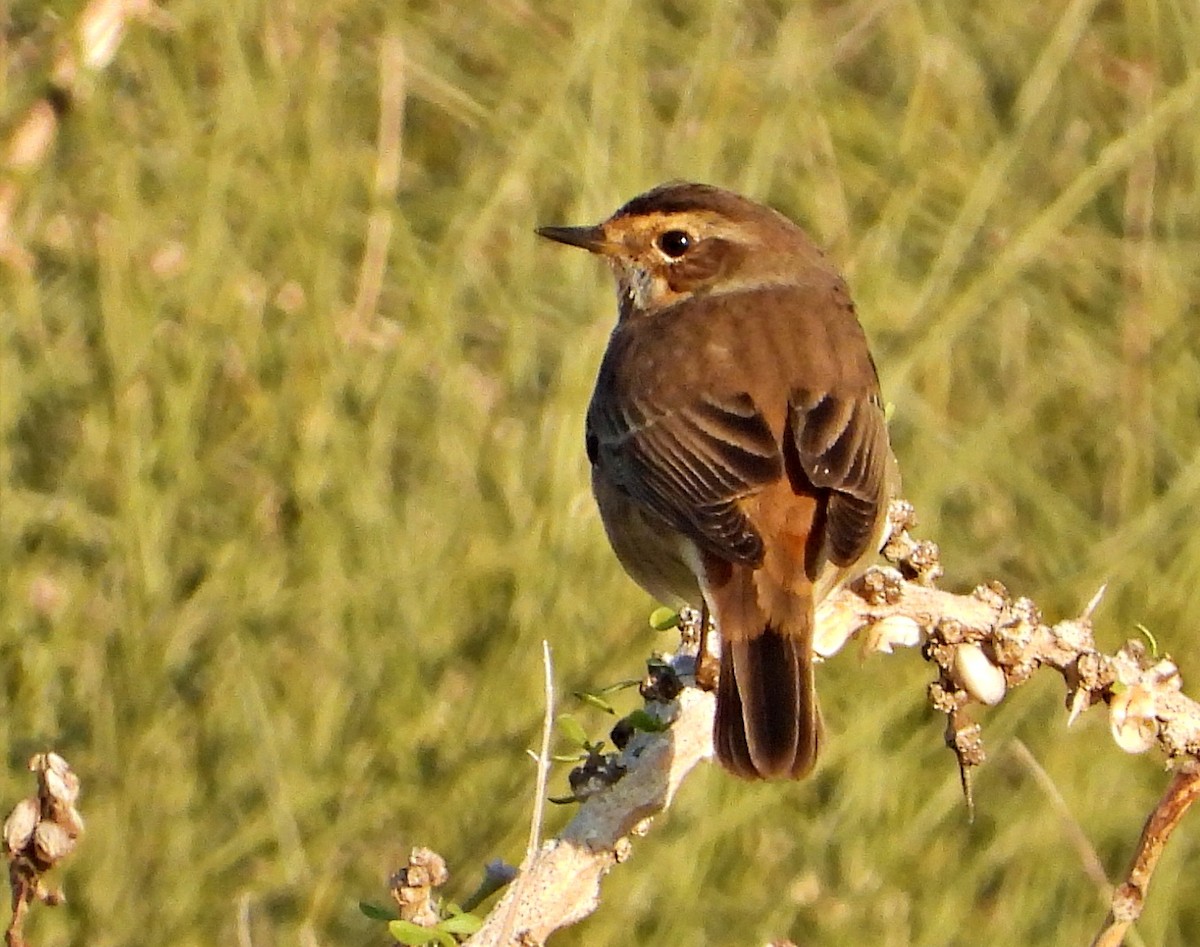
<point x="975" y="673"/>
<point x="51" y="844"/>
<point x="1132" y="719"/>
<point x="100" y="30"/>
<point x="62" y="784"/>
<point x="20" y="825"/>
<point x="70" y="819"/>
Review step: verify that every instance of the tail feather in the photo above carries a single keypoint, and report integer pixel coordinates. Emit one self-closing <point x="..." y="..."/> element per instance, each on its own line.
<point x="767" y="724"/>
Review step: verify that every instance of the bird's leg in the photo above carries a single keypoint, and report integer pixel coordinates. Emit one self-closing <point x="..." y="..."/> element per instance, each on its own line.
<point x="707" y="663"/>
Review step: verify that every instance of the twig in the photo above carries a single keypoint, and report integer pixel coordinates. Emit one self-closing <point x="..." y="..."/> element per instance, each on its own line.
<point x="539" y="802"/>
<point x="1130" y="897"/>
<point x="543" y="757"/>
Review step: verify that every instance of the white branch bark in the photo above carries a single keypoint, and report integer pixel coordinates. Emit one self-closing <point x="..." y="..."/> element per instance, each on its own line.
<point x="562" y="881"/>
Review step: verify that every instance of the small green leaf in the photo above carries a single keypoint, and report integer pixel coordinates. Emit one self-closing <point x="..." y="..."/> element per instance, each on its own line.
<point x="461" y="924"/>
<point x="572" y="729"/>
<point x="664" y="619"/>
<point x="640" y="720"/>
<point x="377" y="912"/>
<point x="593" y="701"/>
<point x="406" y="932"/>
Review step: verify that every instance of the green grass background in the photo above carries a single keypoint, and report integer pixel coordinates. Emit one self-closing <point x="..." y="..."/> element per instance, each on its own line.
<point x="279" y="595"/>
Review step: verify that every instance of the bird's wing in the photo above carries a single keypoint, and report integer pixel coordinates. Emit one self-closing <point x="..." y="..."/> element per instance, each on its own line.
<point x="842" y="446"/>
<point x="689" y="465"/>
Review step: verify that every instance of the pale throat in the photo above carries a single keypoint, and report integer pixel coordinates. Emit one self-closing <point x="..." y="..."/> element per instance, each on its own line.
<point x="634" y="284"/>
<point x="641" y="290"/>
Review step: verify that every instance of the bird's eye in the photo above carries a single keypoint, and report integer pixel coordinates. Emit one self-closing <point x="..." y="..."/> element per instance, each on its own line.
<point x="675" y="243"/>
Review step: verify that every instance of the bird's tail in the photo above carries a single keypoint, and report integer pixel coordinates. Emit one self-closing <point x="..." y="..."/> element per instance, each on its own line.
<point x="768" y="725"/>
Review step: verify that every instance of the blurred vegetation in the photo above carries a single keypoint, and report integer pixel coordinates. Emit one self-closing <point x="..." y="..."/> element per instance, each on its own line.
<point x="277" y="590"/>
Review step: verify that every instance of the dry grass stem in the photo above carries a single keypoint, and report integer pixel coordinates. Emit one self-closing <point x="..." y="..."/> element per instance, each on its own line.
<point x="388" y="156"/>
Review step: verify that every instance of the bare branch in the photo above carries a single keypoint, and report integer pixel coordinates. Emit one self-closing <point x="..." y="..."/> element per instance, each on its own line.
<point x="1130" y="897"/>
<point x="982" y="644"/>
<point x="539" y="802"/>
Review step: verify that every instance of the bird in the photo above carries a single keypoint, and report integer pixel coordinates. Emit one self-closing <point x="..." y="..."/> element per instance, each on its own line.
<point x="738" y="445"/>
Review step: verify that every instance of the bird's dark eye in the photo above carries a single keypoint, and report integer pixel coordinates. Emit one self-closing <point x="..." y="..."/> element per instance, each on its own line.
<point x="675" y="243"/>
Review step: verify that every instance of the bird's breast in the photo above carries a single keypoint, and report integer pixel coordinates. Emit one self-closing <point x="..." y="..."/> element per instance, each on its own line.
<point x="659" y="559"/>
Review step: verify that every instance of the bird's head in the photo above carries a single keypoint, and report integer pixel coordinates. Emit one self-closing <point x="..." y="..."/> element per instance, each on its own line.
<point x="681" y="240"/>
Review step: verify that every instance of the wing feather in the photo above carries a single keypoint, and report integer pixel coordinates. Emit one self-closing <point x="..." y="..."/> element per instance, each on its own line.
<point x="842" y="447"/>
<point x="690" y="466"/>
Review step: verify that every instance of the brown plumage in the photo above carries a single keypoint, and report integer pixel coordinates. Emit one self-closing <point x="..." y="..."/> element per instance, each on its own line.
<point x="738" y="447"/>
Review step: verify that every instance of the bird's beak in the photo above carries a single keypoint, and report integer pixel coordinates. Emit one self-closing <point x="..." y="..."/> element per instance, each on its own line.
<point x="591" y="239"/>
